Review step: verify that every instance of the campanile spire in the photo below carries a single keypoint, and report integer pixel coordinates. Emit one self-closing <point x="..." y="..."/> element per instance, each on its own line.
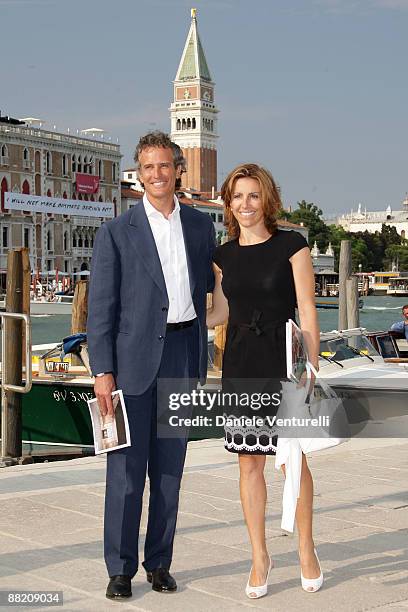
<point x="194" y="114"/>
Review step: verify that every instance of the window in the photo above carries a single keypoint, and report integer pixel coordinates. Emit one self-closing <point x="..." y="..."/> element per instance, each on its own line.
<point x="26" y="158"/>
<point x="5" y="237"/>
<point x="74" y="166"/>
<point x="213" y="217"/>
<point x="4" y="159"/>
<point x="4" y="188"/>
<point x="26" y="190"/>
<point x="178" y="125"/>
<point x="114" y="172"/>
<point x="66" y="246"/>
<point x="27" y="237"/>
<point x="64" y="165"/>
<point x="48" y="162"/>
<point x="130" y="175"/>
<point x="79" y="165"/>
<point x="194" y="123"/>
<point x="100" y="169"/>
<point x="220" y="217"/>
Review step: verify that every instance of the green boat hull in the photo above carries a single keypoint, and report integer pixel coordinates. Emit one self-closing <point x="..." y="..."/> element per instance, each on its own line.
<point x="57" y="414"/>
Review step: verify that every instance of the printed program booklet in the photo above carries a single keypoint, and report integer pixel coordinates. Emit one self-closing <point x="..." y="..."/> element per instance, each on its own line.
<point x="110" y="432"/>
<point x="296" y="352"/>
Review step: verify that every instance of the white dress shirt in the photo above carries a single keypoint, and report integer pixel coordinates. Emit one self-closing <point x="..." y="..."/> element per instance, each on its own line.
<point x="169" y="239"/>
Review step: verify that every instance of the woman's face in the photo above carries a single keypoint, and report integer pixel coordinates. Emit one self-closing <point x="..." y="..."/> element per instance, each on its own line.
<point x="246" y="203"/>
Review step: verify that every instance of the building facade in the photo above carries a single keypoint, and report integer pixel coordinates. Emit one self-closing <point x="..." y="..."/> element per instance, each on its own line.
<point x="194" y="114"/>
<point x="362" y="220"/>
<point x="41" y="162"/>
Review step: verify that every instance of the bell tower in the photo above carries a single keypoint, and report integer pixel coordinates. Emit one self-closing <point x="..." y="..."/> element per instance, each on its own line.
<point x="194" y="114"/>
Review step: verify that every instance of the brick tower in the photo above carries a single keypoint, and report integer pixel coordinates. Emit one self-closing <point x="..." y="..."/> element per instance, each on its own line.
<point x="194" y="115"/>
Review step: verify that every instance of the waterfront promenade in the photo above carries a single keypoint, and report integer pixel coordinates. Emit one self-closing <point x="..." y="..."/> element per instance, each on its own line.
<point x="51" y="534"/>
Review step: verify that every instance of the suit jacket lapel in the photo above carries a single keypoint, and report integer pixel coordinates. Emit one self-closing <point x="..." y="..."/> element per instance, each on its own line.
<point x="145" y="245"/>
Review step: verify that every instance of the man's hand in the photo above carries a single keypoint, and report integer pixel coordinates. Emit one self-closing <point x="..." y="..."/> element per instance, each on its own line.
<point x="103" y="387"/>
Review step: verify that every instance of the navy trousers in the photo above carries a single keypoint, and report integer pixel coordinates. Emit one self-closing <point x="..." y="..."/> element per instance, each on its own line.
<point x="163" y="460"/>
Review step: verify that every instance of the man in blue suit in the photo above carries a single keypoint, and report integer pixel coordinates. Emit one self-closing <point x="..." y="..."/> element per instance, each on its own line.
<point x="151" y="271"/>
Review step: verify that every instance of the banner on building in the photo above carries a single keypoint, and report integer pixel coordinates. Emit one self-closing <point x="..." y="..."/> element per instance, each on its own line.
<point x="57" y="206"/>
<point x="86" y="183"/>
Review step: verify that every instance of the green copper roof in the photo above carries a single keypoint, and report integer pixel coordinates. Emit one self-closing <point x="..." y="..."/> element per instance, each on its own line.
<point x="193" y="63"/>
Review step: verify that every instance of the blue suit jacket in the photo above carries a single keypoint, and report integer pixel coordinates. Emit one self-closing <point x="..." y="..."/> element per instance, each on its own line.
<point x="128" y="302"/>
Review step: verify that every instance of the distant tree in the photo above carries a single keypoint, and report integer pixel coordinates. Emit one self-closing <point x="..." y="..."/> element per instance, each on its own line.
<point x="310" y="215"/>
<point x="398" y="255"/>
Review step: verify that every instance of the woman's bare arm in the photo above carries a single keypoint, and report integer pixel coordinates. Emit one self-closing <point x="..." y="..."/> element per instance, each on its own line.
<point x="305" y="286"/>
<point x="218" y="313"/>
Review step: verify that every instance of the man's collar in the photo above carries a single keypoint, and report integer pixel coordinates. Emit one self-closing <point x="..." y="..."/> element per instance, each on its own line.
<point x="151" y="211"/>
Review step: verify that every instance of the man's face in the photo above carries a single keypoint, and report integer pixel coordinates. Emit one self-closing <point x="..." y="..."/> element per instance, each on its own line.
<point x="405" y="314"/>
<point x="157" y="173"/>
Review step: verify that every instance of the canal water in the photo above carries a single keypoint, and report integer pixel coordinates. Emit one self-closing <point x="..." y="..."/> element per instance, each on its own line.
<point x="378" y="313"/>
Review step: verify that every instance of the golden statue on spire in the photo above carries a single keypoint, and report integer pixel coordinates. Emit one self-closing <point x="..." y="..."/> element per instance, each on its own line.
<point x="193" y="13"/>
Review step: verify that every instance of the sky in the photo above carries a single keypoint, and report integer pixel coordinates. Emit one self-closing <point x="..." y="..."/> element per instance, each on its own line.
<point x="315" y="90"/>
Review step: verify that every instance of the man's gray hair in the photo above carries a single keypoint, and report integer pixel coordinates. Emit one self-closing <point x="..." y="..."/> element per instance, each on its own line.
<point x="160" y="139"/>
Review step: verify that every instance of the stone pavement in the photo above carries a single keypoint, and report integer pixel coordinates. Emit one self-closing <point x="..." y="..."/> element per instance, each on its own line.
<point x="51" y="533"/>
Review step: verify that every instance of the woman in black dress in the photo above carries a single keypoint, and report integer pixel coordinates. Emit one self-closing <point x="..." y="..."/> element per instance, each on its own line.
<point x="262" y="274"/>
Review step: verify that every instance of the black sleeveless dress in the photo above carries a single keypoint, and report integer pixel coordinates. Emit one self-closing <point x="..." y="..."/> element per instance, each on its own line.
<point x="257" y="281"/>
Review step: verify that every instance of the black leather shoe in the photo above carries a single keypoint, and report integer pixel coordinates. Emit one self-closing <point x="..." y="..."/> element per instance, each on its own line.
<point x="119" y="587"/>
<point x="161" y="580"/>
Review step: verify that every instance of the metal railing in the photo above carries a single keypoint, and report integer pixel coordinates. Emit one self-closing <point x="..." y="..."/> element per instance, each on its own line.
<point x="5" y="386"/>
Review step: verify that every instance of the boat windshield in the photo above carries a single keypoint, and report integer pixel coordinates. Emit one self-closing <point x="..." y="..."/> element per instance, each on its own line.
<point x="339" y="349"/>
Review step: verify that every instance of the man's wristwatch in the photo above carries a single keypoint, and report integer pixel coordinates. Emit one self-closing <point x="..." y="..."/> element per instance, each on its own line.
<point x="101" y="374"/>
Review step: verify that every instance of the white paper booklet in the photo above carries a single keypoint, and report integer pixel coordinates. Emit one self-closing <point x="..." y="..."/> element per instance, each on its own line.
<point x="296" y="352"/>
<point x="110" y="432"/>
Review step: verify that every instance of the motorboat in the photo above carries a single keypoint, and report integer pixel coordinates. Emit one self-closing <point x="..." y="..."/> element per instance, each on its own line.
<point x="369" y="370"/>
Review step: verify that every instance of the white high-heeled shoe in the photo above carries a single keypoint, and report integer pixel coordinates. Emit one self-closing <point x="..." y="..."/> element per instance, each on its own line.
<point x="311" y="585"/>
<point x="255" y="592"/>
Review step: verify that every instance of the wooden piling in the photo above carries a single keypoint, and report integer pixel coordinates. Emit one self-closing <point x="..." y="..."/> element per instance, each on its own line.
<point x="344" y="274"/>
<point x="17" y="300"/>
<point x="353" y="314"/>
<point x="25" y="261"/>
<point x="79" y="313"/>
<point x="219" y="345"/>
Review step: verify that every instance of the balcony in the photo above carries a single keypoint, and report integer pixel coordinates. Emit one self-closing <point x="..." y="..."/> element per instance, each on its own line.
<point x="85" y="221"/>
<point x="81" y="252"/>
<point x="27" y="164"/>
<point x="4" y="160"/>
